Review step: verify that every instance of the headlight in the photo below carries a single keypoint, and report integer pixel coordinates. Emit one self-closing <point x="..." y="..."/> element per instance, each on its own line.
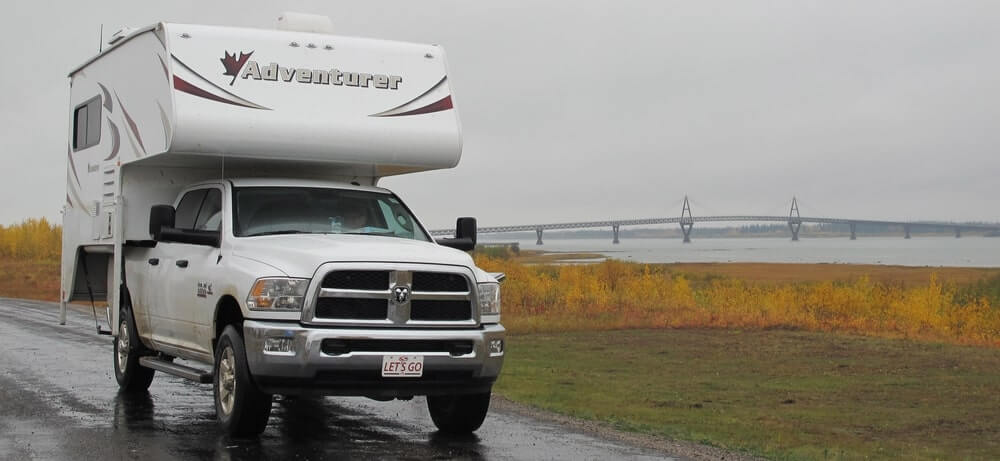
<point x="277" y="293"/>
<point x="489" y="302"/>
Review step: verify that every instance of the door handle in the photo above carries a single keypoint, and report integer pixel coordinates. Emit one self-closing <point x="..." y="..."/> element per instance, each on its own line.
<point x="154" y="261"/>
<point x="182" y="263"/>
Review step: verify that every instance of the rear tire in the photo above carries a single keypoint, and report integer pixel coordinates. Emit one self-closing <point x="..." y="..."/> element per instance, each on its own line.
<point x="458" y="414"/>
<point x="131" y="376"/>
<point x="242" y="409"/>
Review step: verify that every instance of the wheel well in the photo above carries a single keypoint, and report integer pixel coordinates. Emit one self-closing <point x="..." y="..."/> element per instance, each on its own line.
<point x="227" y="313"/>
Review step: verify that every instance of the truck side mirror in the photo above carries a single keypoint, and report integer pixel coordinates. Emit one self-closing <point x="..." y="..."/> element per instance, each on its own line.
<point x="465" y="235"/>
<point x="465" y="228"/>
<point x="160" y="216"/>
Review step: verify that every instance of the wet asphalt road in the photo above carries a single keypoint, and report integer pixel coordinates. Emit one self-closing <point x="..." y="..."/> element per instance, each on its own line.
<point x="59" y="400"/>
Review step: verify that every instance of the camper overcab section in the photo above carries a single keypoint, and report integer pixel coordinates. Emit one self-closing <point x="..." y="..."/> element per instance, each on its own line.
<point x="222" y="198"/>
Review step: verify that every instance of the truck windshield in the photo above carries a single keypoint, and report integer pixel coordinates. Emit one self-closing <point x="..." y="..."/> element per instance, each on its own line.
<point x="301" y="210"/>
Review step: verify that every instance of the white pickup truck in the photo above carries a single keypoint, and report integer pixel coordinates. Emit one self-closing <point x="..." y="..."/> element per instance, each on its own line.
<point x="222" y="199"/>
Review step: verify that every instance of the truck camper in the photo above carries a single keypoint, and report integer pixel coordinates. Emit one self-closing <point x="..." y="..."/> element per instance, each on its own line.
<point x="222" y="201"/>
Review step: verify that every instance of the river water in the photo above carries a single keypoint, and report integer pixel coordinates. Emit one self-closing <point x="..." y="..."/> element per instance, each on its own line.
<point x="970" y="251"/>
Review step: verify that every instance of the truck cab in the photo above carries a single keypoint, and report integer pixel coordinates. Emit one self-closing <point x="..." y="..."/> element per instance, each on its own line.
<point x="337" y="289"/>
<point x="230" y="216"/>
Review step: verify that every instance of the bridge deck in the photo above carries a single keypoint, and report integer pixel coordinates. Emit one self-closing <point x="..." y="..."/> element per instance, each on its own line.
<point x="733" y="218"/>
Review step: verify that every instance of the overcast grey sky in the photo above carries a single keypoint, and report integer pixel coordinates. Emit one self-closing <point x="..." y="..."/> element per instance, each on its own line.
<point x="594" y="110"/>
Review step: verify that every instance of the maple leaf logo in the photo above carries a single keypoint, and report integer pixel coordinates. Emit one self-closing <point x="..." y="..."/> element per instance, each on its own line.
<point x="233" y="65"/>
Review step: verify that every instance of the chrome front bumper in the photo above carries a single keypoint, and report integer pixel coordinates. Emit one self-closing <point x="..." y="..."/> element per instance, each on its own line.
<point x="307" y="369"/>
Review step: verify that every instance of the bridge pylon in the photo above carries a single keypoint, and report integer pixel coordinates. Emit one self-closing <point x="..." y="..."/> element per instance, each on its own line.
<point x="906" y="231"/>
<point x="687" y="221"/>
<point x="614" y="229"/>
<point x="854" y="230"/>
<point x="795" y="220"/>
<point x="958" y="232"/>
<point x="538" y="232"/>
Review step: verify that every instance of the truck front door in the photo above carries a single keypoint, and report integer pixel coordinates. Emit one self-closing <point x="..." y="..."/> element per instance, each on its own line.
<point x="189" y="301"/>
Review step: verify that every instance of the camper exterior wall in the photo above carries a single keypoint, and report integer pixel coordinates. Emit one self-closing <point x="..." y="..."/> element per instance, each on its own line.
<point x="134" y="107"/>
<point x="252" y="93"/>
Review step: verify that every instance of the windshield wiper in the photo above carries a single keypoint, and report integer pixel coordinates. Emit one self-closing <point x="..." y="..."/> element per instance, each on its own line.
<point x="280" y="232"/>
<point x="379" y="234"/>
<point x="291" y="231"/>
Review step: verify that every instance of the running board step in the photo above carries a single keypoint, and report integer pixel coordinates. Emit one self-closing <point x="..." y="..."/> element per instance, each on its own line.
<point x="194" y="374"/>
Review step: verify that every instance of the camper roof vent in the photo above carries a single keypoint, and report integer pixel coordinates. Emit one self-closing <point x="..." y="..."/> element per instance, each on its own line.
<point x="304" y="22"/>
<point x="116" y="37"/>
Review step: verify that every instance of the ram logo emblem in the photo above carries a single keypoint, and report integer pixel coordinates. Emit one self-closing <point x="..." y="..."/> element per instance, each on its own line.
<point x="402" y="294"/>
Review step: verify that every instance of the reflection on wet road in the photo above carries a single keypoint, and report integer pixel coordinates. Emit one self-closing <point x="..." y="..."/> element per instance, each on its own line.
<point x="59" y="400"/>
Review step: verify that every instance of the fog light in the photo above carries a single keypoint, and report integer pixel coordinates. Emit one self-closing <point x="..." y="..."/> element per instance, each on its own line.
<point x="335" y="347"/>
<point x="496" y="347"/>
<point x="279" y="345"/>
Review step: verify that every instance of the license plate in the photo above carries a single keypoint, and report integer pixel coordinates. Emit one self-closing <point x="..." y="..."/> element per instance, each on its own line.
<point x="402" y="366"/>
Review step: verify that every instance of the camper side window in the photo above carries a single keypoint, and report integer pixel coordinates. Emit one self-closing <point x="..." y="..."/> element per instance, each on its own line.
<point x="87" y="124"/>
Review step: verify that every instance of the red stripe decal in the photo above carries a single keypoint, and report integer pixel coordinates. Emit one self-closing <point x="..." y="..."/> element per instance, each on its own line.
<point x="115" y="140"/>
<point x="442" y="104"/>
<point x="107" y="98"/>
<point x="183" y="85"/>
<point x="72" y="165"/>
<point x="131" y="124"/>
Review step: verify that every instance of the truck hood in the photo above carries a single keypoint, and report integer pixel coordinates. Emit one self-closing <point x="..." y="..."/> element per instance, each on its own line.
<point x="299" y="255"/>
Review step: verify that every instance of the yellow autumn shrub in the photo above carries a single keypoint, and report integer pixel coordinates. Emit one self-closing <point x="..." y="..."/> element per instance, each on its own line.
<point x="615" y="295"/>
<point x="32" y="239"/>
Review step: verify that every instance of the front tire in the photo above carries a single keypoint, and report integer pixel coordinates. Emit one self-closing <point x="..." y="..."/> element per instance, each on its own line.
<point x="458" y="414"/>
<point x="131" y="376"/>
<point x="242" y="409"/>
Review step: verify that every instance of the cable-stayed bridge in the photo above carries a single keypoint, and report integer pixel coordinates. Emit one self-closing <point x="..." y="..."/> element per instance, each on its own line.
<point x="686" y="221"/>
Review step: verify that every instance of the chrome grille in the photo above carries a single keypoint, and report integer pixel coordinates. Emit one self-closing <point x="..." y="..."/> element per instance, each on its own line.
<point x="369" y="294"/>
<point x="352" y="308"/>
<point x="357" y="280"/>
<point x="426" y="309"/>
<point x="439" y="281"/>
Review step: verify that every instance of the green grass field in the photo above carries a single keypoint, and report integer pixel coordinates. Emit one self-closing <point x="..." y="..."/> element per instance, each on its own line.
<point x="780" y="394"/>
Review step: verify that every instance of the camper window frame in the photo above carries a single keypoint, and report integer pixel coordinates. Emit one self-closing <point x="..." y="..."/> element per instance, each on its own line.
<point x="86" y="105"/>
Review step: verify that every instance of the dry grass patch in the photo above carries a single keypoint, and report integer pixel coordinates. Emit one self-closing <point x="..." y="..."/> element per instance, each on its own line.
<point x="29" y="279"/>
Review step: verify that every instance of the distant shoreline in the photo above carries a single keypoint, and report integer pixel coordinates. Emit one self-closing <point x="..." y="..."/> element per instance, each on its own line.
<point x="802" y="235"/>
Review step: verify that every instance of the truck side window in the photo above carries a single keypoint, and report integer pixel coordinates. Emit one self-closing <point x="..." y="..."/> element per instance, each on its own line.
<point x="210" y="216"/>
<point x="187" y="210"/>
<point x="87" y="124"/>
